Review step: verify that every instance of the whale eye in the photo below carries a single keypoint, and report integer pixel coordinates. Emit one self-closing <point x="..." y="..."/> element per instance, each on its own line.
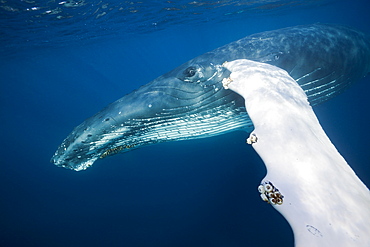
<point x="190" y="71"/>
<point x="198" y="74"/>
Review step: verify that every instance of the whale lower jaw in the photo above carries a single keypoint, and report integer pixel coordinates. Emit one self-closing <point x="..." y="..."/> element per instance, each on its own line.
<point x="149" y="131"/>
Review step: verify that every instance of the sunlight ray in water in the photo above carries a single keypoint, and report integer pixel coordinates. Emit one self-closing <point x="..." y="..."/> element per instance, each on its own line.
<point x="59" y="22"/>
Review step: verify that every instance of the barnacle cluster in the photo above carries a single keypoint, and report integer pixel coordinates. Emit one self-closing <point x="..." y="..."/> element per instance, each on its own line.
<point x="252" y="139"/>
<point x="270" y="194"/>
<point x="115" y="150"/>
<point x="226" y="82"/>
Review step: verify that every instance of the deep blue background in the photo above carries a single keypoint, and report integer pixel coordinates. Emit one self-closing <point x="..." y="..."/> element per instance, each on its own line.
<point x="190" y="193"/>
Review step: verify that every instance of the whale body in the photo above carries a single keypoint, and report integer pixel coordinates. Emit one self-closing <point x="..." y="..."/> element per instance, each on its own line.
<point x="189" y="102"/>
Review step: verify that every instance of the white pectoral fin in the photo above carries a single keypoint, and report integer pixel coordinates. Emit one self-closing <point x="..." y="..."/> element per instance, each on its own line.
<point x="307" y="180"/>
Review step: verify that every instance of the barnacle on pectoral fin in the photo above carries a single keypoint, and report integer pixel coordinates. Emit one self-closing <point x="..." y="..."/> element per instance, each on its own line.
<point x="269" y="193"/>
<point x="252" y="139"/>
<point x="226" y="82"/>
<point x="115" y="150"/>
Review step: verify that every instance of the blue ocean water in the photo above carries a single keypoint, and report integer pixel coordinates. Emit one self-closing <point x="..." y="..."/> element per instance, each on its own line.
<point x="62" y="61"/>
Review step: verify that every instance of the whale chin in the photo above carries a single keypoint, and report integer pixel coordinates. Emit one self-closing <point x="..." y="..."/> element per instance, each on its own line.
<point x="68" y="164"/>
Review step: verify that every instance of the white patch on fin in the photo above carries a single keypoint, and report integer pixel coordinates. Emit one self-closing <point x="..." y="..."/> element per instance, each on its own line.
<point x="325" y="203"/>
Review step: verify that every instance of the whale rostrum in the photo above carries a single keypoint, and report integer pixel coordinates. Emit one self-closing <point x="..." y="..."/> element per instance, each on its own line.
<point x="190" y="102"/>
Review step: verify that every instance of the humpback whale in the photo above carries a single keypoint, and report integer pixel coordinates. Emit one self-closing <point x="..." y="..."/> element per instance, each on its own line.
<point x="190" y="102"/>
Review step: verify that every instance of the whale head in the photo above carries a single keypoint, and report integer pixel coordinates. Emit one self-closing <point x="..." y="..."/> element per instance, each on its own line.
<point x="188" y="101"/>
